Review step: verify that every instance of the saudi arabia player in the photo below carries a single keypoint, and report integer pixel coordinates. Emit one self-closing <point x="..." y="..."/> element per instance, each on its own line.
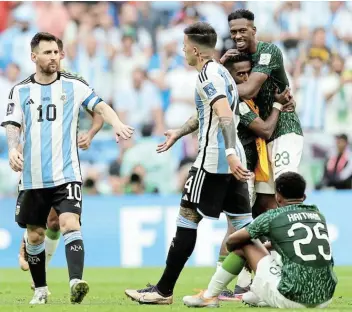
<point x="268" y="73"/>
<point x="303" y="277"/>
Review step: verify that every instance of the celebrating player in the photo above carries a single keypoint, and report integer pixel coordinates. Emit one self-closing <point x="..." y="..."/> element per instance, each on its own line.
<point x="286" y="143"/>
<point x="45" y="107"/>
<point x="210" y="188"/>
<point x="304" y="277"/>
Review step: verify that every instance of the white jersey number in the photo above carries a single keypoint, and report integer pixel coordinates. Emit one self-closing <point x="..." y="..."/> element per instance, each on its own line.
<point x="311" y="233"/>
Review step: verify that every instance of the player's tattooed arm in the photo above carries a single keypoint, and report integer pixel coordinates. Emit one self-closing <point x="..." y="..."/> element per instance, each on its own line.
<point x="228" y="129"/>
<point x="13" y="136"/>
<point x="191" y="125"/>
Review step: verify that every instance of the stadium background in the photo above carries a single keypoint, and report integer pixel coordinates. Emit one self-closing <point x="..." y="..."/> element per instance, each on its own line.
<point x="131" y="193"/>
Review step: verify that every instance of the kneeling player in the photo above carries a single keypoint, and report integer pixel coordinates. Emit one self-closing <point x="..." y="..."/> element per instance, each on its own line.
<point x="304" y="276"/>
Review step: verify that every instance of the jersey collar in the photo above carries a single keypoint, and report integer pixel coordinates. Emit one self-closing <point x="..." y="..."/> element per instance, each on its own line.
<point x="47" y="84"/>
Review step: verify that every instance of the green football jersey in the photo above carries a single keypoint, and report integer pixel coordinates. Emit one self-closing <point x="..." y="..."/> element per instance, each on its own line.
<point x="299" y="234"/>
<point x="246" y="136"/>
<point x="268" y="60"/>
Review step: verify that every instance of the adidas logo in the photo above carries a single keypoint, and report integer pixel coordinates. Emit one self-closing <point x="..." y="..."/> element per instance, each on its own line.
<point x="185" y="197"/>
<point x="78" y="205"/>
<point x="30" y="101"/>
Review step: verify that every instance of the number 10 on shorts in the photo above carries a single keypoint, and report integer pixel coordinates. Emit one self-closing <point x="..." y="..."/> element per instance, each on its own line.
<point x="74" y="192"/>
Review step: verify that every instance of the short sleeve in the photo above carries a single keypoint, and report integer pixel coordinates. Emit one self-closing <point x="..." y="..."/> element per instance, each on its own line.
<point x="90" y="99"/>
<point x="14" y="115"/>
<point x="213" y="86"/>
<point x="247" y="116"/>
<point x="260" y="226"/>
<point x="269" y="60"/>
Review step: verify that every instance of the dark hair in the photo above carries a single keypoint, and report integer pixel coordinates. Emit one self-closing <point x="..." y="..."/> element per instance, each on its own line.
<point x="290" y="185"/>
<point x="241" y="57"/>
<point x="60" y="44"/>
<point x="202" y="33"/>
<point x="41" y="36"/>
<point x="238" y="14"/>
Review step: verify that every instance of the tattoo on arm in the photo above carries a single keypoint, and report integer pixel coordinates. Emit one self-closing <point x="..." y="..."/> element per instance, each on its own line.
<point x="190" y="126"/>
<point x="13" y="136"/>
<point x="228" y="129"/>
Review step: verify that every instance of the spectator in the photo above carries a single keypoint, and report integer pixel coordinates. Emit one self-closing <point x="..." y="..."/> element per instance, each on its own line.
<point x="128" y="18"/>
<point x="140" y="104"/>
<point x="127" y="59"/>
<point x="160" y="169"/>
<point x="338" y="168"/>
<point x="337" y="89"/>
<point x="181" y="82"/>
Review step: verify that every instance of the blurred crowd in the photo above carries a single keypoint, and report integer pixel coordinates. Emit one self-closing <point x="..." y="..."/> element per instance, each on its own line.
<point x="131" y="53"/>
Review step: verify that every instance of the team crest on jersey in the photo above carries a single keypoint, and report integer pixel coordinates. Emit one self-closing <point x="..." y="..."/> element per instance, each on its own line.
<point x="63" y="98"/>
<point x="210" y="90"/>
<point x="264" y="59"/>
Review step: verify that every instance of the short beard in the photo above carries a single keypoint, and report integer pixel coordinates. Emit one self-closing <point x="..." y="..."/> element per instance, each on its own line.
<point x="47" y="71"/>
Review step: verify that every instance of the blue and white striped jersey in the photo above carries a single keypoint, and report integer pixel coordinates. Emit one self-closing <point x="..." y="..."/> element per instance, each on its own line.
<point x="215" y="82"/>
<point x="48" y="116"/>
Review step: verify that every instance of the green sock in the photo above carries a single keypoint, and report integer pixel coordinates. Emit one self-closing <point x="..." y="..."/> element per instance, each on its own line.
<point x="233" y="264"/>
<point x="221" y="258"/>
<point x="52" y="234"/>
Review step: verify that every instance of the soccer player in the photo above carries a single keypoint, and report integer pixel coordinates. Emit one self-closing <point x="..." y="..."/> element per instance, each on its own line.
<point x="303" y="277"/>
<point x="250" y="126"/>
<point x="52" y="233"/>
<point x="252" y="131"/>
<point x="286" y="143"/>
<point x="217" y="180"/>
<point x="45" y="108"/>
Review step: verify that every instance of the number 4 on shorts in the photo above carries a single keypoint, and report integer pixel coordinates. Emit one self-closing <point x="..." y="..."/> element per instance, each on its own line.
<point x="188" y="184"/>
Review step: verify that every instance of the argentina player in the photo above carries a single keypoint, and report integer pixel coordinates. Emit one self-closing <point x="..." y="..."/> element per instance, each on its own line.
<point x="45" y="108"/>
<point x="217" y="181"/>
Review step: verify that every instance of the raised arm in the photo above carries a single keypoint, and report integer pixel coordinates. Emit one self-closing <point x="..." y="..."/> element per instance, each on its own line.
<point x="265" y="129"/>
<point x="112" y="119"/>
<point x="251" y="87"/>
<point x="191" y="125"/>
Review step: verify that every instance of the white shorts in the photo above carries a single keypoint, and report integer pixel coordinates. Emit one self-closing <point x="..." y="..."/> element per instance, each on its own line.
<point x="284" y="155"/>
<point x="266" y="281"/>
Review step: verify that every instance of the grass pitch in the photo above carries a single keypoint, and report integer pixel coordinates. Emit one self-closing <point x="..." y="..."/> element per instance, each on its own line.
<point x="107" y="290"/>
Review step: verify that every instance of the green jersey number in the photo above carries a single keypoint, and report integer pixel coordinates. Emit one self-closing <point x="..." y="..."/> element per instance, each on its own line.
<point x="312" y="233"/>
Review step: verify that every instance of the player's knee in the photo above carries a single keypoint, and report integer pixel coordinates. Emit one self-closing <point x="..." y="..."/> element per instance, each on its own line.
<point x="240" y="222"/>
<point x="35" y="235"/>
<point x="188" y="218"/>
<point x="53" y="223"/>
<point x="69" y="222"/>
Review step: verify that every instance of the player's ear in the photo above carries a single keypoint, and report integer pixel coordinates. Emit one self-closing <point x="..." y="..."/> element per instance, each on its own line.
<point x="254" y="30"/>
<point x="34" y="57"/>
<point x="62" y="55"/>
<point x="304" y="197"/>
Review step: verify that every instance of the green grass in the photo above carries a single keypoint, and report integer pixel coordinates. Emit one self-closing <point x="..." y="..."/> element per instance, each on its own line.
<point x="107" y="290"/>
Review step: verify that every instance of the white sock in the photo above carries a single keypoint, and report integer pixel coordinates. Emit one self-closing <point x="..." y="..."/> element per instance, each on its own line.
<point x="50" y="248"/>
<point x="73" y="281"/>
<point x="25" y="235"/>
<point x="244" y="278"/>
<point x="218" y="282"/>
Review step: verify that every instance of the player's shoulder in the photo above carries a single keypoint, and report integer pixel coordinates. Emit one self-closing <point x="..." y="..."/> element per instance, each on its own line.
<point x="269" y="47"/>
<point x="23" y="83"/>
<point x="208" y="71"/>
<point x="75" y="78"/>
